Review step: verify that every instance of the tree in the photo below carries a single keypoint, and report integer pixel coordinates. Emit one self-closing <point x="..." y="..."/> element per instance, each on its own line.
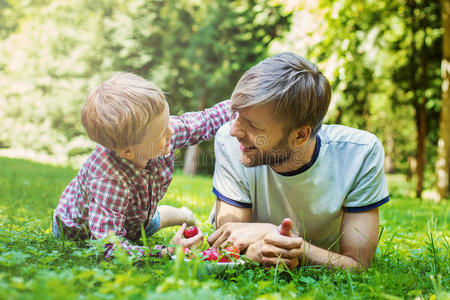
<point x="208" y="46"/>
<point x="387" y="56"/>
<point x="443" y="160"/>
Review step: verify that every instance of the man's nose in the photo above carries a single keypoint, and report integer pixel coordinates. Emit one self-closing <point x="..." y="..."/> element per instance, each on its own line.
<point x="236" y="130"/>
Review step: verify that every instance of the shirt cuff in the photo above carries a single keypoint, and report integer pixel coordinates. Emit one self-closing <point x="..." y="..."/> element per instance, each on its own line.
<point x="231" y="201"/>
<point x="367" y="207"/>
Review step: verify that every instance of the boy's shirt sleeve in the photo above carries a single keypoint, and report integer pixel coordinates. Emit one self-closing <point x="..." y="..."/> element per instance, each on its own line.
<point x="107" y="214"/>
<point x="193" y="127"/>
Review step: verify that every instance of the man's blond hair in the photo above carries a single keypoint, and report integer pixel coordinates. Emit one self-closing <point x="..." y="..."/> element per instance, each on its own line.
<point x="117" y="113"/>
<point x="300" y="93"/>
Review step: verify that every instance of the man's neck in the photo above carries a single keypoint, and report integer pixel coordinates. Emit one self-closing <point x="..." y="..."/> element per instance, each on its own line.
<point x="300" y="157"/>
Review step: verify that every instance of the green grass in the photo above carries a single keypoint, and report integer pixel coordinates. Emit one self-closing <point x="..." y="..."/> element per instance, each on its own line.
<point x="412" y="261"/>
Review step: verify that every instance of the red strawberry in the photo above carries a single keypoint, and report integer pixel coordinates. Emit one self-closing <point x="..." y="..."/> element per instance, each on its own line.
<point x="190" y="232"/>
<point x="211" y="254"/>
<point x="224" y="258"/>
<point x="232" y="251"/>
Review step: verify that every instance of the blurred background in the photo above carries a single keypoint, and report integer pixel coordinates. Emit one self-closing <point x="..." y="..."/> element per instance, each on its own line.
<point x="387" y="62"/>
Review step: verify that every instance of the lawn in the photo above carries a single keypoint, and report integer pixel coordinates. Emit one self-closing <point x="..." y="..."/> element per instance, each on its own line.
<point x="412" y="260"/>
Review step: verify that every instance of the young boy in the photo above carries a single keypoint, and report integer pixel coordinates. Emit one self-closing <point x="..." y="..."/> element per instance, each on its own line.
<point x="119" y="186"/>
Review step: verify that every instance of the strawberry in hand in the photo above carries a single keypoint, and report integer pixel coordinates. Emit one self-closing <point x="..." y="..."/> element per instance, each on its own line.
<point x="190" y="232"/>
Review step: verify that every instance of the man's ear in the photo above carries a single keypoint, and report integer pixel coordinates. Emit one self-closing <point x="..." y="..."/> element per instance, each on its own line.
<point x="127" y="153"/>
<point x="301" y="135"/>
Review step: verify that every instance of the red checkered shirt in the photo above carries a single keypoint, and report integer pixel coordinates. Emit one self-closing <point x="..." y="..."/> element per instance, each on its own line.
<point x="111" y="194"/>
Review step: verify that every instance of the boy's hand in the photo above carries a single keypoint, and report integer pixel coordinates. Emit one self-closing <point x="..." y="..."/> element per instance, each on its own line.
<point x="194" y="241"/>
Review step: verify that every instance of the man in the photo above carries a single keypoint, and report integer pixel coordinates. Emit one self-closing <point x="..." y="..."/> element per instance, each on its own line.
<point x="275" y="160"/>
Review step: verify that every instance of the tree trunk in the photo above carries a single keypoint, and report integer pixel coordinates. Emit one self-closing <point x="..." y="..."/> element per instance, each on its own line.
<point x="389" y="164"/>
<point x="419" y="102"/>
<point x="192" y="153"/>
<point x="443" y="160"/>
<point x="420" y="154"/>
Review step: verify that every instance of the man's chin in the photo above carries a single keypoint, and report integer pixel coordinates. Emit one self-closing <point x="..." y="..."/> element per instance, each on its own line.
<point x="250" y="162"/>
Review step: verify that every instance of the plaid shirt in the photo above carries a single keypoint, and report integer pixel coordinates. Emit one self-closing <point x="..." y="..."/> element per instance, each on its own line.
<point x="111" y="194"/>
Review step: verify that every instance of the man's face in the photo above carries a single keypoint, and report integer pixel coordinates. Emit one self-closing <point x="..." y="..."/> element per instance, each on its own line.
<point x="262" y="139"/>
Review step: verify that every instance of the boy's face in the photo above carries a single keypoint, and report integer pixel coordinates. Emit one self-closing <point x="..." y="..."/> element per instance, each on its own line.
<point x="155" y="143"/>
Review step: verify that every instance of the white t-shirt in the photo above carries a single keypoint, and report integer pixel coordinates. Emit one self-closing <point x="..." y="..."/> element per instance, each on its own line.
<point x="346" y="173"/>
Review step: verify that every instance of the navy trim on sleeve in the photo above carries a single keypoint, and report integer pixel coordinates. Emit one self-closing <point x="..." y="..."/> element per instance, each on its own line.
<point x="367" y="207"/>
<point x="230" y="201"/>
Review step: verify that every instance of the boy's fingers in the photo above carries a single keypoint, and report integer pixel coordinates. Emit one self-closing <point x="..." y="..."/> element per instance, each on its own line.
<point x="180" y="231"/>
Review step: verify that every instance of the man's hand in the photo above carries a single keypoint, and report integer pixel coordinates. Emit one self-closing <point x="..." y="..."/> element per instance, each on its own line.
<point x="240" y="234"/>
<point x="279" y="245"/>
<point x="178" y="239"/>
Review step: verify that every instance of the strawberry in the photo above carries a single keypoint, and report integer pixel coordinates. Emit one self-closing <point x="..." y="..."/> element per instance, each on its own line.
<point x="232" y="251"/>
<point x="224" y="258"/>
<point x="210" y="254"/>
<point x="190" y="232"/>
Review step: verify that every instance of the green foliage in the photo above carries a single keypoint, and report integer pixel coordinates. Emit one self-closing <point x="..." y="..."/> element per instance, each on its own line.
<point x="412" y="260"/>
<point x="386" y="57"/>
<point x="58" y="50"/>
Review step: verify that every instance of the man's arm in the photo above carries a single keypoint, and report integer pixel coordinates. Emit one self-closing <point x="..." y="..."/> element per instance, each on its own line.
<point x="229" y="213"/>
<point x="357" y="245"/>
<point x="230" y="228"/>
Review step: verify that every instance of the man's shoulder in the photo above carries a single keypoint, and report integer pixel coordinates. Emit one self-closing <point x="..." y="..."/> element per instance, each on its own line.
<point x="227" y="144"/>
<point x="223" y="134"/>
<point x="346" y="136"/>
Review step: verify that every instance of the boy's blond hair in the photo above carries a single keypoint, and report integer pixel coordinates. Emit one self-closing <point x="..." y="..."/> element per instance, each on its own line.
<point x="117" y="113"/>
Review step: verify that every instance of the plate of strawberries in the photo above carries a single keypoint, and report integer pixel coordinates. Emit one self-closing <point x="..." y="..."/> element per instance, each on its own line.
<point x="215" y="260"/>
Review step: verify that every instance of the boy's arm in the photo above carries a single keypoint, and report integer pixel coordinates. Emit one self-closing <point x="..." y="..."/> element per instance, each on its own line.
<point x="193" y="127"/>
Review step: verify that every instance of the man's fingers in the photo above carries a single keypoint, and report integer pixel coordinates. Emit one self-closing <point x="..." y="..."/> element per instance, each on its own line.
<point x="215" y="235"/>
<point x="218" y="237"/>
<point x="272" y="251"/>
<point x="272" y="261"/>
<point x="220" y="240"/>
<point x="284" y="242"/>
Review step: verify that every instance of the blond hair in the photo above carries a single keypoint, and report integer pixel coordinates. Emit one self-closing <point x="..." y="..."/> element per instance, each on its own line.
<point x="298" y="89"/>
<point x="116" y="114"/>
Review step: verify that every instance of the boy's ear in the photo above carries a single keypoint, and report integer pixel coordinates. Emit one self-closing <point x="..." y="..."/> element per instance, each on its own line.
<point x="127" y="153"/>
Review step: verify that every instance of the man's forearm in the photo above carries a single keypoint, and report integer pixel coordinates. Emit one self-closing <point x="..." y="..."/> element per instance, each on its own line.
<point x="314" y="255"/>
